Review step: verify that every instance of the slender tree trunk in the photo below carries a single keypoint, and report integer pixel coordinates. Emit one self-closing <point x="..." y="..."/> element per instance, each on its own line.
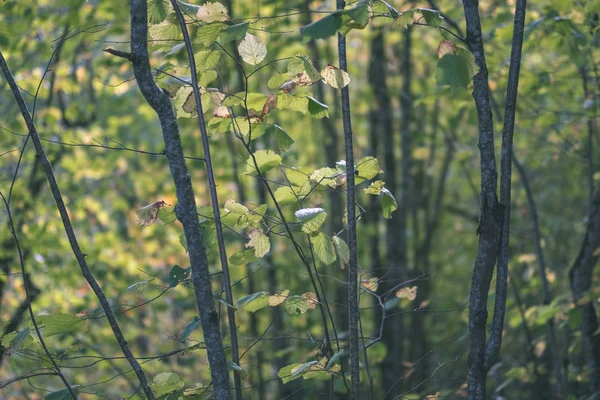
<point x="581" y="282"/>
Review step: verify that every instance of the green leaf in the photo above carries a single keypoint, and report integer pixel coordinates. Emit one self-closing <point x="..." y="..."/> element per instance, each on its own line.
<point x="204" y="79"/>
<point x="287" y="101"/>
<point x="166" y="382"/>
<point x="158" y="11"/>
<point x="252" y="49"/>
<point x="323" y="28"/>
<point x="255" y="101"/>
<point x="296" y="305"/>
<point x="208" y="34"/>
<point x="388" y="203"/>
<point x="367" y="168"/>
<point x="285" y="196"/>
<point x="260" y="242"/>
<point x="375" y="188"/>
<point x="58" y="324"/>
<point x="342" y="251"/>
<point x="183" y="240"/>
<point x="236" y="208"/>
<point x="178" y="275"/>
<point x="326" y="177"/>
<point x="277" y="80"/>
<point x="312" y="219"/>
<point x="254" y="302"/>
<point x="189" y="328"/>
<point x="167" y="215"/>
<point x="336" y="357"/>
<point x="360" y="13"/>
<point x="284" y="141"/>
<point x="167" y="30"/>
<point x="317" y="109"/>
<point x="432" y="17"/>
<point x="324" y="248"/>
<point x="16" y="340"/>
<point x="62" y="394"/>
<point x="233" y="32"/>
<point x="285" y="373"/>
<point x="233" y="366"/>
<point x="265" y="160"/>
<point x="456" y="70"/>
<point x="206" y="59"/>
<point x="404" y="20"/>
<point x="243" y="257"/>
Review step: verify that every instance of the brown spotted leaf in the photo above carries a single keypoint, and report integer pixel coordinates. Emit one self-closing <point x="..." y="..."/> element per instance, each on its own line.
<point x="146" y="216"/>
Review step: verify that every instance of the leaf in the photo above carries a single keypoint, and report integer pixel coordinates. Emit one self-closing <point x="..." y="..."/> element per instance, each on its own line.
<point x="284" y="141"/>
<point x="260" y="242"/>
<point x="254" y="302"/>
<point x="269" y="105"/>
<point x="243" y="257"/>
<point x="456" y="70"/>
<point x="206" y="59"/>
<point x="286" y="101"/>
<point x="317" y="109"/>
<point x="141" y="285"/>
<point x="307" y="214"/>
<point x="360" y="13"/>
<point x="388" y="203"/>
<point x="167" y="30"/>
<point x="14" y="341"/>
<point x="167" y="215"/>
<point x="368" y="168"/>
<point x="404" y="20"/>
<point x="62" y="394"/>
<point x="407" y="293"/>
<point x="189" y="328"/>
<point x="335" y="77"/>
<point x="285" y="373"/>
<point x="146" y="216"/>
<point x="183" y="240"/>
<point x="57" y="324"/>
<point x="324" y="248"/>
<point x="323" y="28"/>
<point x="325" y="177"/>
<point x="236" y="208"/>
<point x="296" y="305"/>
<point x="342" y="251"/>
<point x="265" y="159"/>
<point x="314" y="224"/>
<point x="370" y="284"/>
<point x="311" y="300"/>
<point x="277" y="299"/>
<point x="233" y="32"/>
<point x="241" y="371"/>
<point x="432" y="17"/>
<point x="212" y="12"/>
<point x="166" y="382"/>
<point x="158" y="11"/>
<point x="375" y="188"/>
<point x="208" y="34"/>
<point x="252" y="49"/>
<point x="178" y="275"/>
<point x="277" y="80"/>
<point x="446" y="47"/>
<point x="285" y="196"/>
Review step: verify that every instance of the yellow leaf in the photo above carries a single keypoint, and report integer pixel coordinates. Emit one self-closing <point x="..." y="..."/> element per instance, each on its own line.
<point x="146" y="216"/>
<point x="277" y="299"/>
<point x="421" y="153"/>
<point x="527" y="258"/>
<point x="259" y="241"/>
<point x="335" y="77"/>
<point x="370" y="284"/>
<point x="212" y="12"/>
<point x="407" y="293"/>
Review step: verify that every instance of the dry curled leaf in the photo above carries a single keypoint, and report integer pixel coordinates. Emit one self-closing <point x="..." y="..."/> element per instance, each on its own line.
<point x="407" y="293"/>
<point x="270" y="104"/>
<point x="277" y="299"/>
<point x="146" y="216"/>
<point x="446" y="47"/>
<point x="311" y="300"/>
<point x="370" y="284"/>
